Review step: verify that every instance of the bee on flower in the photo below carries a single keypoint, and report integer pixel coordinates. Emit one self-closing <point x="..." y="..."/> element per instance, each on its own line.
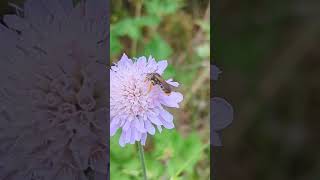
<point x="139" y="98"/>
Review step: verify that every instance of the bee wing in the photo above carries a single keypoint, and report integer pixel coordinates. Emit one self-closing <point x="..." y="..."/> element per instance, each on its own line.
<point x="167" y="86"/>
<point x="173" y="88"/>
<point x="172" y="83"/>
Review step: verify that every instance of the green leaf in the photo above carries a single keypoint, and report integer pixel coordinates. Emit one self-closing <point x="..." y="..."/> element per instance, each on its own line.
<point x="132" y="27"/>
<point x="162" y="7"/>
<point x="149" y="21"/>
<point x="115" y="45"/>
<point x="183" y="150"/>
<point x="127" y="27"/>
<point x="170" y="72"/>
<point x="158" y="48"/>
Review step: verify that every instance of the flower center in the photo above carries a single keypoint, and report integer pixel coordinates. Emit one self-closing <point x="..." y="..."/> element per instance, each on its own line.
<point x="135" y="97"/>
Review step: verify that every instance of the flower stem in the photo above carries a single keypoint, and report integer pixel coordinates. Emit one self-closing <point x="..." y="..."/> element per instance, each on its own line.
<point x="142" y="161"/>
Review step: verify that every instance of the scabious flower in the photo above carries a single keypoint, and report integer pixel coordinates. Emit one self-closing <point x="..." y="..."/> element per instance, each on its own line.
<point x="134" y="107"/>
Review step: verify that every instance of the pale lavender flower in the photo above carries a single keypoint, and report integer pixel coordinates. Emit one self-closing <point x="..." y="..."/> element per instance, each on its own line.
<point x="135" y="109"/>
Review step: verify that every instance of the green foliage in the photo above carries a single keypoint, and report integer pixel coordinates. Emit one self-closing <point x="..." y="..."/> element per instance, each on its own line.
<point x="115" y="45"/>
<point x="133" y="28"/>
<point x="158" y="48"/>
<point x="171" y="156"/>
<point x="170" y="72"/>
<point x="162" y="7"/>
<point x="203" y="50"/>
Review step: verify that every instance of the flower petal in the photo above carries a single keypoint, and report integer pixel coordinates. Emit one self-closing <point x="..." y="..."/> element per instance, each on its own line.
<point x="127" y="126"/>
<point x="161" y="66"/>
<point x="166" y="124"/>
<point x="122" y="139"/>
<point x="155" y="120"/>
<point x="143" y="138"/>
<point x="114" y="126"/>
<point x="151" y="130"/>
<point x="124" y="61"/>
<point x="142" y="61"/>
<point x="138" y="123"/>
<point x="128" y="135"/>
<point x="166" y="115"/>
<point x="172" y="100"/>
<point x="132" y="137"/>
<point x="152" y="64"/>
<point x="137" y="135"/>
<point x="172" y="83"/>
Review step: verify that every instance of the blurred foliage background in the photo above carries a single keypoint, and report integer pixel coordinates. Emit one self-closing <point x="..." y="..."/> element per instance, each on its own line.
<point x="177" y="31"/>
<point x="269" y="54"/>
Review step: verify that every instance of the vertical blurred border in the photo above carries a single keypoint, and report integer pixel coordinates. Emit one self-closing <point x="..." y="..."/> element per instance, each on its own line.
<point x="54" y="89"/>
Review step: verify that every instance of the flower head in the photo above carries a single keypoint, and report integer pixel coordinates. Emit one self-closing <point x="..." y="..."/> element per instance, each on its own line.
<point x="137" y="106"/>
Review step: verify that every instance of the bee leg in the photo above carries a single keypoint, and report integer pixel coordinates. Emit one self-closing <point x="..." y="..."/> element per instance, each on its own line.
<point x="150" y="87"/>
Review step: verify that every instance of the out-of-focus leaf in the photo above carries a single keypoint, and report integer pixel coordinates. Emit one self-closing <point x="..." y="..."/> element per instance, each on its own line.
<point x="162" y="7"/>
<point x="180" y="154"/>
<point x="203" y="50"/>
<point x="184" y="150"/>
<point x="132" y="27"/>
<point x="115" y="45"/>
<point x="127" y="27"/>
<point x="170" y="72"/>
<point x="149" y="21"/>
<point x="158" y="48"/>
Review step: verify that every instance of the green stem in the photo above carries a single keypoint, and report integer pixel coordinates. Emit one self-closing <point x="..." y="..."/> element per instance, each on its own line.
<point x="142" y="161"/>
